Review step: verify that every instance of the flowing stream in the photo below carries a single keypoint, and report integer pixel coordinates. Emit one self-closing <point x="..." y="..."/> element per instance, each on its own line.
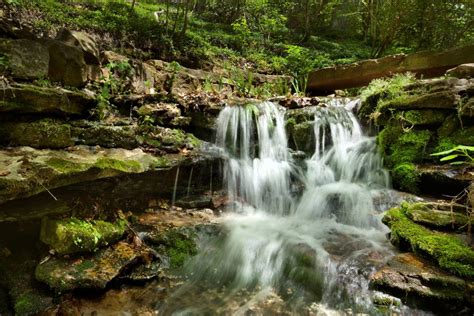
<point x="300" y="236"/>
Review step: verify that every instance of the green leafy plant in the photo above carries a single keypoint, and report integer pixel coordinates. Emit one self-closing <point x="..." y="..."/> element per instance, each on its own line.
<point x="465" y="153"/>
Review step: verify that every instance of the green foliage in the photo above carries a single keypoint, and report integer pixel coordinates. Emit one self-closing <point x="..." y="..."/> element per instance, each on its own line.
<point x="448" y="251"/>
<point x="465" y="153"/>
<point x="388" y="88"/>
<point x="381" y="91"/>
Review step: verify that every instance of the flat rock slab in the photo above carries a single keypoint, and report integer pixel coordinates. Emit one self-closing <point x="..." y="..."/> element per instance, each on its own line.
<point x="428" y="64"/>
<point x="31" y="99"/>
<point x="409" y="276"/>
<point x="26" y="171"/>
<point x="91" y="272"/>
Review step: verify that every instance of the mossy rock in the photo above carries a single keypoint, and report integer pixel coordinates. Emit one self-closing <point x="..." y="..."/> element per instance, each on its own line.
<point x="31" y="171"/>
<point x="428" y="214"/>
<point x="399" y="146"/>
<point x="107" y="136"/>
<point x="448" y="251"/>
<point x="406" y="177"/>
<point x="177" y="244"/>
<point x="93" y="271"/>
<point x="301" y="135"/>
<point x="418" y="282"/>
<point x="73" y="235"/>
<point x="437" y="100"/>
<point x="410" y="118"/>
<point x="46" y="133"/>
<point x="27" y="59"/>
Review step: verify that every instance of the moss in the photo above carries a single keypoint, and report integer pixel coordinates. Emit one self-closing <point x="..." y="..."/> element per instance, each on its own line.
<point x="406" y="177"/>
<point x="381" y="91"/>
<point x="178" y="245"/>
<point x="388" y="136"/>
<point x="75" y="235"/>
<point x="427" y="214"/>
<point x="422" y="117"/>
<point x="29" y="304"/>
<point x="120" y="165"/>
<point x="161" y="162"/>
<point x="448" y="251"/>
<point x="399" y="147"/>
<point x="67" y="166"/>
<point x="46" y="133"/>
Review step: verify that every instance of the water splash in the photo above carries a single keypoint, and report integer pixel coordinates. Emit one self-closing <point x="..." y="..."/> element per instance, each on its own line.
<point x="317" y="247"/>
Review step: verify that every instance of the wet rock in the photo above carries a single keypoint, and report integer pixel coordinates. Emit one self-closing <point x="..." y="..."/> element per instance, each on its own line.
<point x="82" y="41"/>
<point x="462" y="71"/>
<point x="297" y="102"/>
<point x="25" y="59"/>
<point x="444" y="179"/>
<point x="27" y="171"/>
<point x="412" y="278"/>
<point x="73" y="235"/>
<point x="201" y="201"/>
<point x="30" y="99"/>
<point x="88" y="272"/>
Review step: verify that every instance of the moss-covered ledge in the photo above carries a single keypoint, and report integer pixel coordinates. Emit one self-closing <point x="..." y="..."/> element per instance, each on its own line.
<point x="448" y="251"/>
<point x="26" y="171"/>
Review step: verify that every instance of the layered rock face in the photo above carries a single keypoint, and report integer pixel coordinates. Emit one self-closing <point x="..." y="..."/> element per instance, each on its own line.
<point x="417" y="120"/>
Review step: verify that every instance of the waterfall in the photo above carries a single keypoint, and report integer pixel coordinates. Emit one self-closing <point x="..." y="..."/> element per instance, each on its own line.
<point x="311" y="247"/>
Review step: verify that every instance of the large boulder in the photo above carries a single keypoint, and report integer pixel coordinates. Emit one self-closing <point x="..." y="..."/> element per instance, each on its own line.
<point x="82" y="41"/>
<point x="24" y="59"/>
<point x="66" y="63"/>
<point x="426" y="64"/>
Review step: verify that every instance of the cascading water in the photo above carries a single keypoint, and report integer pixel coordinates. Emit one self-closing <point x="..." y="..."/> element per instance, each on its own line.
<point x="312" y="249"/>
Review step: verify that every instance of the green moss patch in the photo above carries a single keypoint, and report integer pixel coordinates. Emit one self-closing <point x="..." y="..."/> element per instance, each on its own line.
<point x="74" y="235"/>
<point x="177" y="244"/>
<point x="399" y="146"/>
<point x="120" y="165"/>
<point x="406" y="177"/>
<point x="427" y="214"/>
<point x="448" y="251"/>
<point x="45" y="133"/>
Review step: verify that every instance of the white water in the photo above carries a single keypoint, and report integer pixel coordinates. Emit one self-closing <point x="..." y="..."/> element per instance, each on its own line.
<point x="316" y="247"/>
